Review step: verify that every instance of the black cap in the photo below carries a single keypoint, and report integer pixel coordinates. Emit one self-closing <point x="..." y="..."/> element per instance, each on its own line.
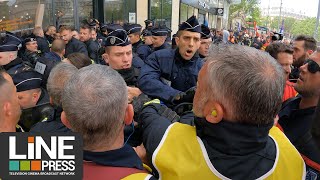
<point x="191" y="24"/>
<point x="132" y="28"/>
<point x="27" y="80"/>
<point x="110" y="27"/>
<point x="147" y="21"/>
<point x="10" y="43"/>
<point x="30" y="39"/>
<point x="205" y="32"/>
<point x="146" y="32"/>
<point x="117" y="37"/>
<point x="159" y="31"/>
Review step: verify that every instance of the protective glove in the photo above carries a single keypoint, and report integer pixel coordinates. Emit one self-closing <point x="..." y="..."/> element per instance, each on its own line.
<point x="163" y="110"/>
<point x="185" y="97"/>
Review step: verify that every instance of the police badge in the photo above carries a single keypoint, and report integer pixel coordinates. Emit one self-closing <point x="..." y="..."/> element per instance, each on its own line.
<point x="112" y="40"/>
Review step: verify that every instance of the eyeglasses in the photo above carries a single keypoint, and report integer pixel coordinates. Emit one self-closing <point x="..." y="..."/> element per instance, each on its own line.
<point x="313" y="67"/>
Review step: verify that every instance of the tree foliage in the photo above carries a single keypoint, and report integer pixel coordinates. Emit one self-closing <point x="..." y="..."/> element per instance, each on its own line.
<point x="306" y="27"/>
<point x="247" y="8"/>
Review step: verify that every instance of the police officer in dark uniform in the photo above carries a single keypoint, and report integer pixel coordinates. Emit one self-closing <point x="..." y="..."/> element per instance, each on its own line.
<point x="206" y="41"/>
<point x="159" y="36"/>
<point x="33" y="99"/>
<point x="31" y="54"/>
<point x="92" y="46"/>
<point x="168" y="74"/>
<point x="134" y="33"/>
<point x="9" y="54"/>
<point x="119" y="56"/>
<point x="149" y="24"/>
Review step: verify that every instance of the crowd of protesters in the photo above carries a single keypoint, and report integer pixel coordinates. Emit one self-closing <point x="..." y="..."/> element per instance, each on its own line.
<point x="206" y="104"/>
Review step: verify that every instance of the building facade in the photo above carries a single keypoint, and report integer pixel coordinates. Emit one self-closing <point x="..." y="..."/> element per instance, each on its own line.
<point x="285" y="12"/>
<point x="16" y="15"/>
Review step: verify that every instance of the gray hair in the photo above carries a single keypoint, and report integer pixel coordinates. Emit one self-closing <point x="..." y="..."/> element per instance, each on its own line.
<point x="58" y="77"/>
<point x="95" y="101"/>
<point x="249" y="83"/>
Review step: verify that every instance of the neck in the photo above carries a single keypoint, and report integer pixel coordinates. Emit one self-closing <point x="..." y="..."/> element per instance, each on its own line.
<point x="307" y="102"/>
<point x="6" y="127"/>
<point x="59" y="54"/>
<point x="117" y="144"/>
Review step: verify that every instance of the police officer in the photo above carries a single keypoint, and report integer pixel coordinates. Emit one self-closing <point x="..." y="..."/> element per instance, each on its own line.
<point x="31" y="54"/>
<point x="119" y="56"/>
<point x="92" y="46"/>
<point x="9" y="54"/>
<point x="32" y="98"/>
<point x="149" y="24"/>
<point x="72" y="44"/>
<point x="134" y="33"/>
<point x="168" y="73"/>
<point x="159" y="36"/>
<point x="147" y="38"/>
<point x="206" y="41"/>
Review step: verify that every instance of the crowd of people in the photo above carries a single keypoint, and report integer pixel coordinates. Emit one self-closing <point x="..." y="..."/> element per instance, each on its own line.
<point x="208" y="104"/>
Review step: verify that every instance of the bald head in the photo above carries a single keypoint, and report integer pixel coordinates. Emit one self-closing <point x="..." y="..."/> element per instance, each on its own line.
<point x="7" y="57"/>
<point x="58" y="46"/>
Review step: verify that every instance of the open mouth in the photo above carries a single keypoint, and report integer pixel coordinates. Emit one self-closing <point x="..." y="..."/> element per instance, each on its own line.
<point x="188" y="53"/>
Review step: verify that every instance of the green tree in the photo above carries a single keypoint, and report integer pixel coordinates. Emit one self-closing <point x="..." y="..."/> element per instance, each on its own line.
<point x="288" y="23"/>
<point x="246" y="7"/>
<point x="305" y="27"/>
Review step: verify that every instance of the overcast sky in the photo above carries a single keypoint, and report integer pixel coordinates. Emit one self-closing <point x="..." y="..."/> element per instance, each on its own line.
<point x="307" y="7"/>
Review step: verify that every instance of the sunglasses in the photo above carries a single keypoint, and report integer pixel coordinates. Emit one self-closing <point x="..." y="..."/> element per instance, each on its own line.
<point x="313" y="67"/>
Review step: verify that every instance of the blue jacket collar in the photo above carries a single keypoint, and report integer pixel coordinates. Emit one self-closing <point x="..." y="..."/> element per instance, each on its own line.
<point x="123" y="157"/>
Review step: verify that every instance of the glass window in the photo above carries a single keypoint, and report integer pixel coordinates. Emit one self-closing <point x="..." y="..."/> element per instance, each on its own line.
<point x="221" y="3"/>
<point x="118" y="11"/>
<point x="85" y="10"/>
<point x="64" y="13"/>
<point x="19" y="15"/>
<point x="160" y="12"/>
<point x="190" y="11"/>
<point x="183" y="12"/>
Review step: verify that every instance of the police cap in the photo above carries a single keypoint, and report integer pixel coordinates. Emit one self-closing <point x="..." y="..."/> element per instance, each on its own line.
<point x="10" y="43"/>
<point x="27" y="80"/>
<point x="117" y="37"/>
<point x="205" y="32"/>
<point x="132" y="28"/>
<point x="191" y="24"/>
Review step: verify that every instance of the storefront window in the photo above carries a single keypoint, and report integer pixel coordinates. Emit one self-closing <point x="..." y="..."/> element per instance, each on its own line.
<point x="183" y="12"/>
<point x="211" y="20"/>
<point x="190" y="11"/>
<point x="64" y="13"/>
<point x="85" y="10"/>
<point x="19" y="15"/>
<point x="160" y="12"/>
<point x="120" y="11"/>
